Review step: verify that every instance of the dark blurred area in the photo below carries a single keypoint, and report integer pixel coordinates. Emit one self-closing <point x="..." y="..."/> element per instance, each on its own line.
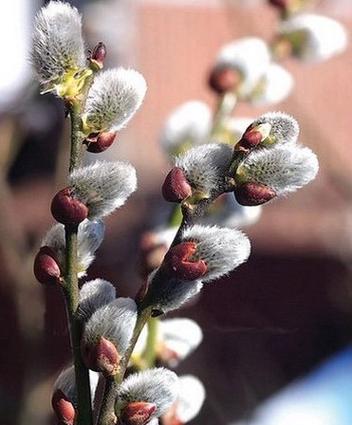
<point x="274" y="319"/>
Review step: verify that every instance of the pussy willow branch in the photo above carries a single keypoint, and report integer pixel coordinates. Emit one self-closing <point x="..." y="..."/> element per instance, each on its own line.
<point x="183" y="216"/>
<point x="71" y="289"/>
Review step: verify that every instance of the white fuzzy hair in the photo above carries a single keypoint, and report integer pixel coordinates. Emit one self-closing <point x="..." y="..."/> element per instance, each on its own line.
<point x="172" y="293"/>
<point x="284" y="127"/>
<point x="275" y="86"/>
<point x="57" y="41"/>
<point x="114" y="321"/>
<point x="189" y="123"/>
<point x="180" y="335"/>
<point x="90" y="236"/>
<point x="190" y="399"/>
<point x="205" y="166"/>
<point x="93" y="295"/>
<point x="323" y="37"/>
<point x="158" y="385"/>
<point x="229" y="213"/>
<point x="284" y="168"/>
<point x="103" y="186"/>
<point x="250" y="56"/>
<point x="223" y="249"/>
<point x="115" y="96"/>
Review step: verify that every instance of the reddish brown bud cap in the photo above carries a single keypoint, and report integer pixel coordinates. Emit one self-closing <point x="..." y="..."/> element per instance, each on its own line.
<point x="101" y="357"/>
<point x="68" y="210"/>
<point x="98" y="55"/>
<point x="280" y="4"/>
<point x="251" y="194"/>
<point x="137" y="413"/>
<point x="100" y="143"/>
<point x="249" y="140"/>
<point x="223" y="80"/>
<point x="46" y="268"/>
<point x="63" y="408"/>
<point x="176" y="187"/>
<point x="178" y="262"/>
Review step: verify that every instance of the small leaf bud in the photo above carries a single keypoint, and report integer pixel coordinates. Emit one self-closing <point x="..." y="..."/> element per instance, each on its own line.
<point x="46" y="268"/>
<point x="68" y="210"/>
<point x="251" y="194"/>
<point x="224" y="79"/>
<point x="176" y="187"/>
<point x="253" y="136"/>
<point x="137" y="413"/>
<point x="101" y="142"/>
<point x="101" y="356"/>
<point x="178" y="262"/>
<point x="63" y="408"/>
<point x="98" y="55"/>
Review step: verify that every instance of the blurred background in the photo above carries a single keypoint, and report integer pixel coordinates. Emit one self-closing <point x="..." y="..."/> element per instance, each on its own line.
<point x="270" y="326"/>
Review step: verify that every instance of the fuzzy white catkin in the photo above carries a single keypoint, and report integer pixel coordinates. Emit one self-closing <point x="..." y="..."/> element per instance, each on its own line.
<point x="66" y="382"/>
<point x="158" y="385"/>
<point x="284" y="168"/>
<point x="274" y="87"/>
<point x="284" y="128"/>
<point x="57" y="41"/>
<point x="250" y="56"/>
<point x="223" y="249"/>
<point x="323" y="37"/>
<point x="103" y="186"/>
<point x="229" y="213"/>
<point x="204" y="166"/>
<point x="93" y="295"/>
<point x="90" y="236"/>
<point x="114" y="321"/>
<point x="188" y="124"/>
<point x="113" y="99"/>
<point x="180" y="335"/>
<point x="172" y="293"/>
<point x="191" y="398"/>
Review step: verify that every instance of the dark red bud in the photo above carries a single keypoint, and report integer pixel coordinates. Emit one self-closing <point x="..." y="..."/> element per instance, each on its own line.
<point x="223" y="80"/>
<point x="101" y="357"/>
<point x="68" y="210"/>
<point x="178" y="262"/>
<point x="251" y="194"/>
<point x="137" y="413"/>
<point x="249" y="140"/>
<point x="280" y="4"/>
<point x="46" y="268"/>
<point x="63" y="408"/>
<point x="99" y="143"/>
<point x="176" y="187"/>
<point x="98" y="54"/>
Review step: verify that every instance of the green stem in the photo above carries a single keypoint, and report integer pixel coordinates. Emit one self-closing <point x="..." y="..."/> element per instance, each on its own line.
<point x="225" y="107"/>
<point x="71" y="289"/>
<point x="107" y="409"/>
<point x="175" y="217"/>
<point x="76" y="137"/>
<point x="149" y="353"/>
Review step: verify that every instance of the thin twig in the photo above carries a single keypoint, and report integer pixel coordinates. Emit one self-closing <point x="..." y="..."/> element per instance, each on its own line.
<point x="71" y="289"/>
